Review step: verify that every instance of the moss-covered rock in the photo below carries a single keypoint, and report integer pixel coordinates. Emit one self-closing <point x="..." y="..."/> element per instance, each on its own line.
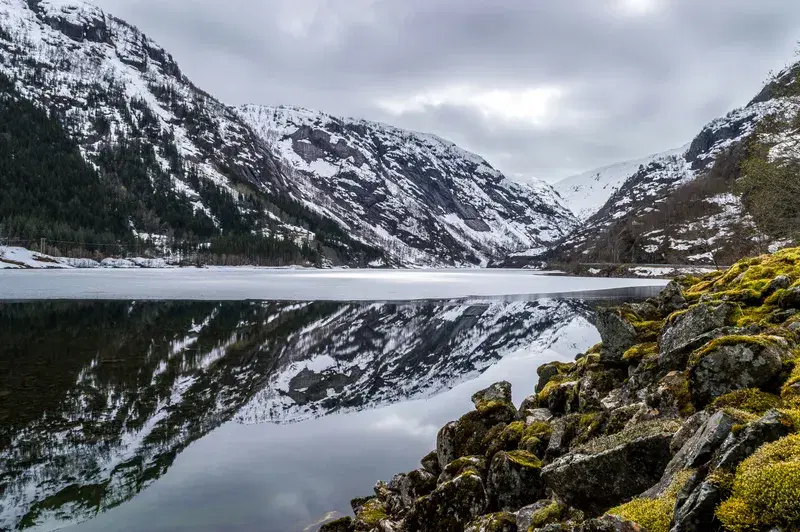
<point x="611" y="469"/>
<point x="655" y="515"/>
<point x="450" y="507"/>
<point x="617" y="332"/>
<point x="467" y="436"/>
<point x="688" y="330"/>
<point x="750" y="400"/>
<point x="496" y="522"/>
<point x="459" y="466"/>
<point x="766" y="489"/>
<point x="547" y="372"/>
<point x="734" y="363"/>
<point x="409" y="486"/>
<point x="371" y="514"/>
<point x="514" y="480"/>
<point x="430" y="462"/>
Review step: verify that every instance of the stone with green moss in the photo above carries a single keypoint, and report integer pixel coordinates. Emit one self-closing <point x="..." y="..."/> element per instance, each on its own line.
<point x="371" y="514"/>
<point x="499" y="392"/>
<point x="617" y="332"/>
<point x="734" y="363"/>
<point x="655" y="514"/>
<point x="496" y="522"/>
<point x="611" y="469"/>
<point x="552" y="369"/>
<point x="450" y="506"/>
<point x="771" y="427"/>
<point x="459" y="466"/>
<point x="466" y="437"/>
<point x="686" y="332"/>
<point x="514" y="480"/>
<point x="750" y="400"/>
<point x="766" y="489"/>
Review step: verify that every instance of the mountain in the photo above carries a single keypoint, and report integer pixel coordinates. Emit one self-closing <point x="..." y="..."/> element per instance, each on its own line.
<point x="586" y="193"/>
<point x="177" y="171"/>
<point x="179" y="165"/>
<point x="688" y="205"/>
<point x="420" y="198"/>
<point x="135" y="383"/>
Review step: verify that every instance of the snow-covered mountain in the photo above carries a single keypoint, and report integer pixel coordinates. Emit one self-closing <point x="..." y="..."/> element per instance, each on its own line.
<point x="677" y="206"/>
<point x="586" y="193"/>
<point x="136" y="383"/>
<point x="419" y="197"/>
<point x="188" y="167"/>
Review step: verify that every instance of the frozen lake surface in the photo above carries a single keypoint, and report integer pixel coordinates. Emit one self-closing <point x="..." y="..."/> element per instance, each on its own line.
<point x="236" y="284"/>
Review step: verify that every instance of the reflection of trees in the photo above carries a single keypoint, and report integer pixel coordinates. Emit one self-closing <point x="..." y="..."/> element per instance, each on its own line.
<point x="98" y="398"/>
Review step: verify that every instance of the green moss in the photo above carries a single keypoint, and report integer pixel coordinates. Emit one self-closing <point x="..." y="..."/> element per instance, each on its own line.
<point x="525" y="459"/>
<point x="750" y="400"/>
<point x="641" y="430"/>
<point x="549" y="514"/>
<point x="372" y="513"/>
<point x="766" y="489"/>
<point x="497" y="522"/>
<point x="552" y="386"/>
<point x="742" y="416"/>
<point x="490" y="407"/>
<point x="648" y="330"/>
<point x="791" y="387"/>
<point x="758" y="340"/>
<point x="721" y="479"/>
<point x="595" y="349"/>
<point x="655" y="515"/>
<point x="636" y="353"/>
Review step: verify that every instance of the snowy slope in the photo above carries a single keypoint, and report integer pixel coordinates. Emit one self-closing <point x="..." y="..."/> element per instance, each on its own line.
<point x="419" y="197"/>
<point x="584" y="194"/>
<point x="630" y="227"/>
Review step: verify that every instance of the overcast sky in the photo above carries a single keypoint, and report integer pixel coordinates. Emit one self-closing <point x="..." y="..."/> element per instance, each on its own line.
<point x="540" y="88"/>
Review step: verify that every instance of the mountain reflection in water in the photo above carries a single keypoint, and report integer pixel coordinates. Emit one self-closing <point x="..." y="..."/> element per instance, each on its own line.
<point x="98" y="398"/>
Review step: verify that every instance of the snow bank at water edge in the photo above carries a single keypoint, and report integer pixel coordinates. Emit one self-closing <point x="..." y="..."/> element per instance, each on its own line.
<point x="17" y="258"/>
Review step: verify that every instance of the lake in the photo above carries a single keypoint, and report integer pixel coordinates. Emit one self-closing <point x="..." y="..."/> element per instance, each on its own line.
<point x="254" y="399"/>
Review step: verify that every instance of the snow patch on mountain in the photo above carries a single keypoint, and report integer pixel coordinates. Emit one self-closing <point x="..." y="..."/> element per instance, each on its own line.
<point x="421" y="198"/>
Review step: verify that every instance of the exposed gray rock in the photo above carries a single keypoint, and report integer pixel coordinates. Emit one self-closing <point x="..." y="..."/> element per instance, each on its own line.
<point x="563" y="398"/>
<point x="461" y="465"/>
<point x="671" y="299"/>
<point x="771" y="427"/>
<point x="561" y="436"/>
<point x="696" y="451"/>
<point x="450" y="507"/>
<point x="686" y="332"/>
<point x="525" y="514"/>
<point x="735" y="367"/>
<point x="537" y="414"/>
<point x="514" y="480"/>
<point x="465" y="437"/>
<point x="499" y="391"/>
<point x="610" y="523"/>
<point x="595" y="482"/>
<point x="781" y="282"/>
<point x="430" y="462"/>
<point x="689" y="428"/>
<point x="696" y="513"/>
<point x="617" y="333"/>
<point x="411" y="485"/>
<point x="791" y="299"/>
<point x="497" y="522"/>
<point x="647" y="310"/>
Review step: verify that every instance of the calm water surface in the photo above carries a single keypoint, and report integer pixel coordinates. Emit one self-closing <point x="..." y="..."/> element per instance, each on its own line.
<point x="245" y="415"/>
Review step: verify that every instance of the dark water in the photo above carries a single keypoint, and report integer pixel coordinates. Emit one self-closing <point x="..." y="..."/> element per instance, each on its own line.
<point x="242" y="416"/>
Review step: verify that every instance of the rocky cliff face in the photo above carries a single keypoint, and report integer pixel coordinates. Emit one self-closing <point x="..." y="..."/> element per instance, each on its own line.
<point x="631" y="224"/>
<point x="420" y="197"/>
<point x="685" y="418"/>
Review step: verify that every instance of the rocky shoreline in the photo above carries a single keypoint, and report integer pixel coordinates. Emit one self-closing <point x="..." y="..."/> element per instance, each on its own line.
<point x="685" y="418"/>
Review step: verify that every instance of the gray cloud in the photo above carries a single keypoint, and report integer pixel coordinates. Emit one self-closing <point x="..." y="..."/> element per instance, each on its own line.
<point x="631" y="81"/>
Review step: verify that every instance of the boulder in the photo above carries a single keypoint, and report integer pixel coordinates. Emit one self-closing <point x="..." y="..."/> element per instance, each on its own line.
<point x="611" y="469"/>
<point x="595" y="385"/>
<point x="695" y="513"/>
<point x="671" y="299"/>
<point x="686" y="332"/>
<point x="466" y="436"/>
<point x="790" y="298"/>
<point x="459" y="466"/>
<point x="563" y="432"/>
<point x="514" y="480"/>
<point x="371" y="516"/>
<point x="617" y="333"/>
<point x="498" y="522"/>
<point x="546" y="372"/>
<point x="781" y="282"/>
<point x="430" y="462"/>
<point x="345" y="524"/>
<point x="689" y="428"/>
<point x="771" y="427"/>
<point x="410" y="486"/>
<point x="734" y="363"/>
<point x="697" y="450"/>
<point x="497" y="392"/>
<point x="541" y="513"/>
<point x="450" y="507"/>
<point x="534" y="415"/>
